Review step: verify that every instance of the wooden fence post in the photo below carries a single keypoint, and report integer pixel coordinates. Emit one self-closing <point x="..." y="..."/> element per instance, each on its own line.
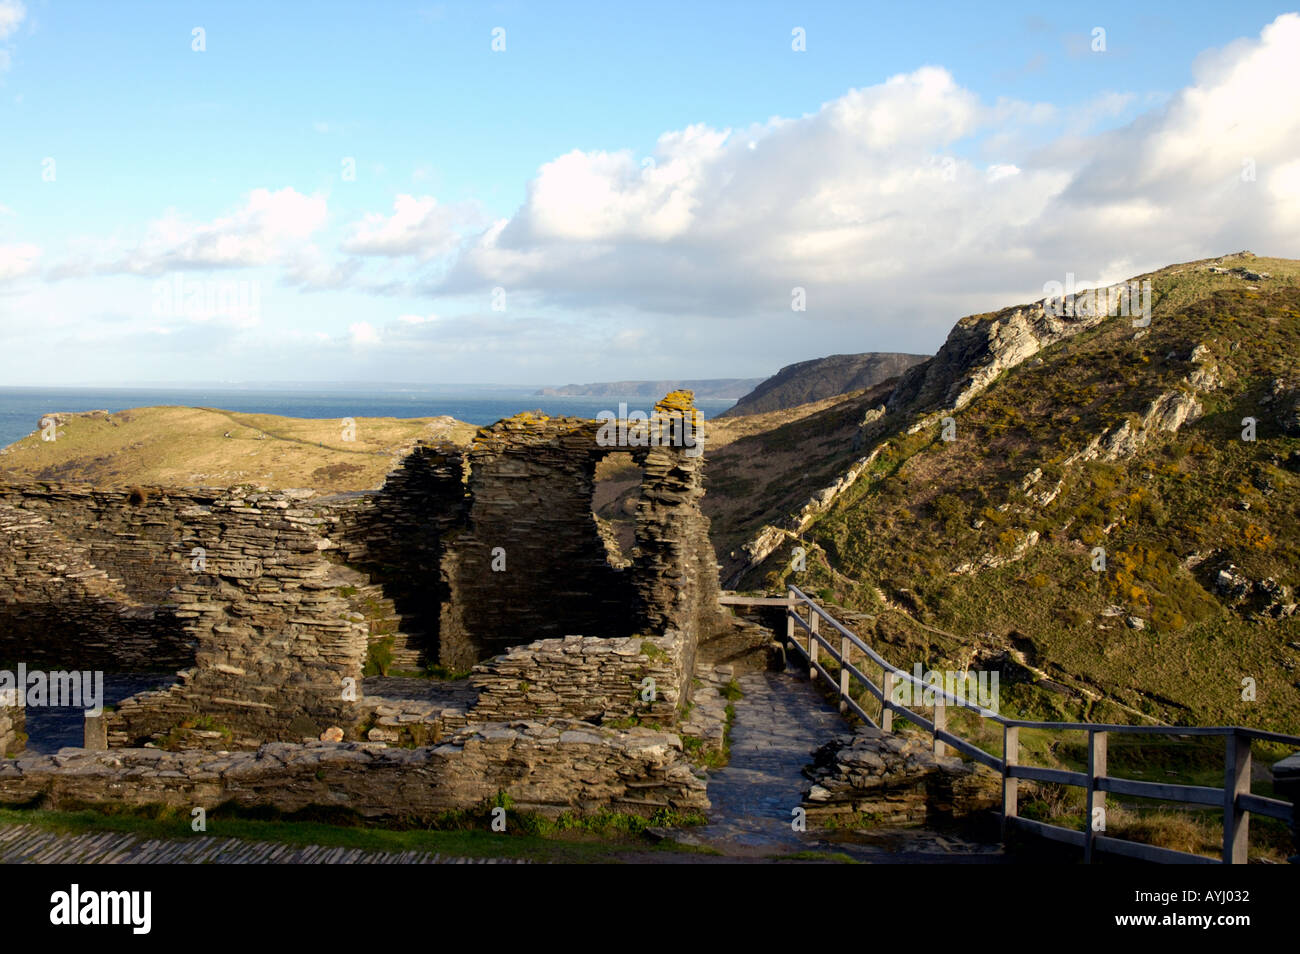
<point x="887" y="690"/>
<point x="845" y="648"/>
<point x="1236" y="781"/>
<point x="940" y="722"/>
<point x="812" y="644"/>
<point x="1010" y="758"/>
<point x="1096" y="798"/>
<point x="789" y="617"/>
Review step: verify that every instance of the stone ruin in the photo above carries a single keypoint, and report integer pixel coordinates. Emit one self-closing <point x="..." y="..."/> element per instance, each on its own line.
<point x="275" y="606"/>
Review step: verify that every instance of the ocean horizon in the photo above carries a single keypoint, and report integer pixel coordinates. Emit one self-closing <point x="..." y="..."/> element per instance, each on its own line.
<point x="21" y="408"/>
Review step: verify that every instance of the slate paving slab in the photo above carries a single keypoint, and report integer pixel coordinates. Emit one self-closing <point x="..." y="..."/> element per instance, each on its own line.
<point x="778" y="723"/>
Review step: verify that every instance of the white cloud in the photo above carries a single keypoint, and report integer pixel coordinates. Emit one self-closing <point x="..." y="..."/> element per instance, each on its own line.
<point x="363" y="333"/>
<point x="12" y="13"/>
<point x="419" y="227"/>
<point x="269" y="228"/>
<point x="17" y="260"/>
<point x="898" y="207"/>
<point x="876" y="205"/>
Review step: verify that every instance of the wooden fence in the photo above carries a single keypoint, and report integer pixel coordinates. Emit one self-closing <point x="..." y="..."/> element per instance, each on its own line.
<point x="804" y="619"/>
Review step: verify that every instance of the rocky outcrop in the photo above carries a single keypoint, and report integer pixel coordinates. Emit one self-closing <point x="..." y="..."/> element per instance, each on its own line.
<point x="895" y="780"/>
<point x="1166" y="414"/>
<point x="1266" y="598"/>
<point x="1284" y="403"/>
<point x="991" y="561"/>
<point x="979" y="348"/>
<point x="545" y="767"/>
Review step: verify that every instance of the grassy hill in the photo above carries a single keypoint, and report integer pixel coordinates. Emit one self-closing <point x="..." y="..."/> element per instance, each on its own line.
<point x="983" y="549"/>
<point x="194" y="446"/>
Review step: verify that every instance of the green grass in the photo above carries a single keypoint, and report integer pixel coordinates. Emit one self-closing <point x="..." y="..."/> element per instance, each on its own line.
<point x="437" y="671"/>
<point x="379" y="656"/>
<point x="651" y="651"/>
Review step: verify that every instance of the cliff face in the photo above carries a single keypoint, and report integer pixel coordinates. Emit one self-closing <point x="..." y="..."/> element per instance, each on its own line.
<point x="979" y="349"/>
<point x="821" y="378"/>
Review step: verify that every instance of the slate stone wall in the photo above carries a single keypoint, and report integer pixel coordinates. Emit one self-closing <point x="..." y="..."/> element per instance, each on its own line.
<point x="530" y="483"/>
<point x="278" y="649"/>
<point x="269" y="624"/>
<point x="84" y="578"/>
<point x="546" y="767"/>
<point x="577" y="677"/>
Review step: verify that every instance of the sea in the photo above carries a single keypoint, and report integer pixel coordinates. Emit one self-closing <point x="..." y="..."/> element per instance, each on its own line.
<point x="21" y="408"/>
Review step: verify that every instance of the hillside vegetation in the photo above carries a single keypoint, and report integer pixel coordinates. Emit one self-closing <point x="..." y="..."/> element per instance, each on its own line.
<point x="193" y="446"/>
<point x="1096" y="526"/>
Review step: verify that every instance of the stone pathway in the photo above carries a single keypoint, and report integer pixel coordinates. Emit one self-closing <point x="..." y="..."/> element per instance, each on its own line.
<point x="28" y="844"/>
<point x="778" y="724"/>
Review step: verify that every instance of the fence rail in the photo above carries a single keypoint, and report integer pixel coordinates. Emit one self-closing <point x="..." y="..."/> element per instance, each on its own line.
<point x="804" y="619"/>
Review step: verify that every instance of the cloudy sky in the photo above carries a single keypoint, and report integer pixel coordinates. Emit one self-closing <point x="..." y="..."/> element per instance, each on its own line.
<point x="541" y="193"/>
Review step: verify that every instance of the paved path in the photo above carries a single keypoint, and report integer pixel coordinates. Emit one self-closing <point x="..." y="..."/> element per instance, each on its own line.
<point x="780" y="721"/>
<point x="29" y="844"/>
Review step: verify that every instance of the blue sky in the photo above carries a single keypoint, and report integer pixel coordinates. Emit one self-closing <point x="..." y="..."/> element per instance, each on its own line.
<point x="610" y="196"/>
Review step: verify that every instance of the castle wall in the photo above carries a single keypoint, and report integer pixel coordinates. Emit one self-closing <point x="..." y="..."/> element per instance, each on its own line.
<point x="530" y="563"/>
<point x="547" y="768"/>
<point x="279" y="654"/>
<point x="583" y="677"/>
<point x="84" y="578"/>
<point x="267" y="622"/>
<point x="397" y="537"/>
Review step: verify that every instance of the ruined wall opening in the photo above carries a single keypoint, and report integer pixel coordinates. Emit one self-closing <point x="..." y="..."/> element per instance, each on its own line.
<point x="391" y="544"/>
<point x="614" y="503"/>
<point x="530" y="562"/>
<point x="85" y="619"/>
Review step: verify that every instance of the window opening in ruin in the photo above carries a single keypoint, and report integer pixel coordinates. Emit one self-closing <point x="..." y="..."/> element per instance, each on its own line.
<point x="614" y="503"/>
<point x="59" y="719"/>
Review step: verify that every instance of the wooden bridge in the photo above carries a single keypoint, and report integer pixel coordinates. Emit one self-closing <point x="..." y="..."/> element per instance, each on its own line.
<point x="804" y="634"/>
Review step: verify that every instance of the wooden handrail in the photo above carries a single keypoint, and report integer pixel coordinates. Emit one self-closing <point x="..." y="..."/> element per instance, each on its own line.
<point x="1235" y="796"/>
